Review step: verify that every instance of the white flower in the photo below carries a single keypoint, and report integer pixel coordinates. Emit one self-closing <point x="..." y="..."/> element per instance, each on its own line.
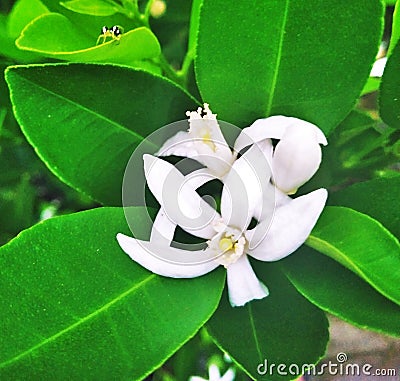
<point x="294" y="160"/>
<point x="215" y="375"/>
<point x="203" y="142"/>
<point x="283" y="223"/>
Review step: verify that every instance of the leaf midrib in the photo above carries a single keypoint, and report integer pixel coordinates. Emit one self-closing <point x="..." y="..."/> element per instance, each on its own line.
<point x="83" y="320"/>
<point x="77" y="105"/>
<point x="254" y="332"/>
<point x="278" y="59"/>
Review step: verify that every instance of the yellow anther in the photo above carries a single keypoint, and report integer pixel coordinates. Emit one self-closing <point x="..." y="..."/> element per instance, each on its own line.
<point x="225" y="244"/>
<point x="207" y="139"/>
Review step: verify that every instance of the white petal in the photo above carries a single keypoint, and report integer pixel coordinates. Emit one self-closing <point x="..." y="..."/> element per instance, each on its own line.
<point x="243" y="284"/>
<point x="199" y="177"/>
<point x="179" y="145"/>
<point x="274" y="127"/>
<point x="180" y="201"/>
<point x="296" y="158"/>
<point x="163" y="228"/>
<point x="213" y="373"/>
<point x="378" y="68"/>
<point x="208" y="124"/>
<point x="167" y="261"/>
<point x="291" y="225"/>
<point x="229" y="375"/>
<point x="247" y="191"/>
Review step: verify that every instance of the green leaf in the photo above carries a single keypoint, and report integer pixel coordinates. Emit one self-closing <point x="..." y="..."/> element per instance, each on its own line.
<point x="283" y="328"/>
<point x="389" y="100"/>
<point x="53" y="35"/>
<point x="395" y="29"/>
<point x="361" y="244"/>
<point x="22" y="13"/>
<point x="89" y="25"/>
<point x="194" y="27"/>
<point x="81" y="309"/>
<point x="340" y="292"/>
<point x="86" y="120"/>
<point x="91" y="7"/>
<point x="7" y="45"/>
<point x="371" y="85"/>
<point x="379" y="198"/>
<point x="290" y="57"/>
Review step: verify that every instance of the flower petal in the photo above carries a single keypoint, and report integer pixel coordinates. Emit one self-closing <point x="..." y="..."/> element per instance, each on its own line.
<point x="296" y="158"/>
<point x="243" y="284"/>
<point x="167" y="261"/>
<point x="274" y="127"/>
<point x="163" y="228"/>
<point x="291" y="225"/>
<point x="378" y="68"/>
<point x="247" y="191"/>
<point x="179" y="145"/>
<point x="182" y="204"/>
<point x="229" y="375"/>
<point x="208" y="136"/>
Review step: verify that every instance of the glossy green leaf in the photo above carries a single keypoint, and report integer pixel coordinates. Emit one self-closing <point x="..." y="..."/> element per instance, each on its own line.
<point x="194" y="26"/>
<point x="89" y="25"/>
<point x="7" y="45"/>
<point x="395" y="29"/>
<point x="22" y="13"/>
<point x="340" y="292"/>
<point x="371" y="85"/>
<point x="290" y="57"/>
<point x="378" y="198"/>
<point x="91" y="7"/>
<point x="361" y="244"/>
<point x="81" y="309"/>
<point x="86" y="120"/>
<point x="53" y="35"/>
<point x="389" y="100"/>
<point x="283" y="328"/>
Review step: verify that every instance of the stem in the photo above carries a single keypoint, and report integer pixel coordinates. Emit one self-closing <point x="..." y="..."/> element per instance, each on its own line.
<point x="147" y="10"/>
<point x="170" y="71"/>
<point x="187" y="61"/>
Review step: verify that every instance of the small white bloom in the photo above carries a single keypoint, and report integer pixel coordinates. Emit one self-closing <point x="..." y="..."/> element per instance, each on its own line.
<point x="294" y="160"/>
<point x="256" y="186"/>
<point x="215" y="375"/>
<point x="282" y="228"/>
<point x="203" y="142"/>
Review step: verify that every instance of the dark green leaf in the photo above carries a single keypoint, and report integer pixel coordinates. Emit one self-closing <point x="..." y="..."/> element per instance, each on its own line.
<point x="283" y="328"/>
<point x="340" y="292"/>
<point x="389" y="100"/>
<point x="53" y="35"/>
<point x="361" y="244"/>
<point x="86" y="120"/>
<point x="80" y="309"/>
<point x="378" y="198"/>
<point x="290" y="57"/>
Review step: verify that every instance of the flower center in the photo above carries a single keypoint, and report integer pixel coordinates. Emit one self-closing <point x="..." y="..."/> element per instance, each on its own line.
<point x="206" y="138"/>
<point x="228" y="245"/>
